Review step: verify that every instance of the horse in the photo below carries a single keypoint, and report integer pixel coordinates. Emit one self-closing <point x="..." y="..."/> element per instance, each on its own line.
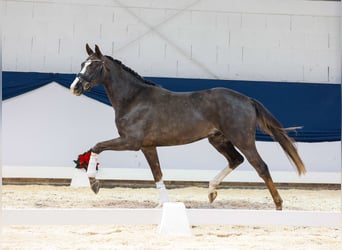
<point x="148" y="116"/>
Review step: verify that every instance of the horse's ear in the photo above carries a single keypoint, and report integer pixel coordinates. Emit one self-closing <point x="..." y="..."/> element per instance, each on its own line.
<point x="89" y="50"/>
<point x="97" y="51"/>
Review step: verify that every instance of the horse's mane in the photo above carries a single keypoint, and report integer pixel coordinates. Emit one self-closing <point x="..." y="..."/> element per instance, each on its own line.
<point x="131" y="71"/>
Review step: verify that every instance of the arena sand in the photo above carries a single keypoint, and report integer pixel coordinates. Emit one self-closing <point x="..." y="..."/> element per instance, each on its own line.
<point x="146" y="236"/>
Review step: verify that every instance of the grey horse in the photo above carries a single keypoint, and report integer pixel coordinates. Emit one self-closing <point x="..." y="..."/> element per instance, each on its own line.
<point x="148" y="116"/>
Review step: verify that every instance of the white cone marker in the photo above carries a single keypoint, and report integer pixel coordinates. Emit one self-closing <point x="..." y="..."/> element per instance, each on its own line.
<point x="174" y="221"/>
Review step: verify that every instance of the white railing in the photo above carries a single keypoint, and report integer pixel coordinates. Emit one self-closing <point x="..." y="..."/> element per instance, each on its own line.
<point x="153" y="216"/>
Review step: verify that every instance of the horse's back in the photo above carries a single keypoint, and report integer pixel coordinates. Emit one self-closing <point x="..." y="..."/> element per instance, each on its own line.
<point x="228" y="102"/>
<point x="214" y="105"/>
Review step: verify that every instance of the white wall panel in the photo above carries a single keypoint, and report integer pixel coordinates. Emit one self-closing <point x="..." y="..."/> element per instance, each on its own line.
<point x="50" y="36"/>
<point x="278" y="23"/>
<point x="293" y="7"/>
<point x="254" y="21"/>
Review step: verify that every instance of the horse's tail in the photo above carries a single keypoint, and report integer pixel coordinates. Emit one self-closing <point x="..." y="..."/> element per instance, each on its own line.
<point x="269" y="124"/>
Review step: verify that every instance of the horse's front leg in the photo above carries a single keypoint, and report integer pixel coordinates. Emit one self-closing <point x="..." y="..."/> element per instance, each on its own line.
<point x="152" y="159"/>
<point x="118" y="144"/>
<point x="121" y="143"/>
<point x="91" y="172"/>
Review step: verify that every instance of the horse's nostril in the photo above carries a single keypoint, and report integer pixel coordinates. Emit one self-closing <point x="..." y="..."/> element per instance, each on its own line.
<point x="86" y="86"/>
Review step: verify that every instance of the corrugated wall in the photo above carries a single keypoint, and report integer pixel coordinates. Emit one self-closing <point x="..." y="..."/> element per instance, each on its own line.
<point x="251" y="40"/>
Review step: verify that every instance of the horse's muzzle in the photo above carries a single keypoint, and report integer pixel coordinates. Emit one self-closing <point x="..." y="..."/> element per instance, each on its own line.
<point x="76" y="87"/>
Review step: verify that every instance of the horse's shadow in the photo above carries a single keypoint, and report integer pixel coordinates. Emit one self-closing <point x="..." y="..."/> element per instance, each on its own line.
<point x="228" y="204"/>
<point x="234" y="204"/>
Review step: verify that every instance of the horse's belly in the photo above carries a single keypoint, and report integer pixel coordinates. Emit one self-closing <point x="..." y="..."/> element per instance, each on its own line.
<point x="178" y="135"/>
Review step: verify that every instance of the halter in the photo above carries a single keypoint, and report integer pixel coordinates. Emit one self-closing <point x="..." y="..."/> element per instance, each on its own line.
<point x="88" y="79"/>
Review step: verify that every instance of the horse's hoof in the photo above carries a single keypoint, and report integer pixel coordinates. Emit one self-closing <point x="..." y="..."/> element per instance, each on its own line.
<point x="94" y="185"/>
<point x="279" y="208"/>
<point x="212" y="196"/>
<point x="279" y="204"/>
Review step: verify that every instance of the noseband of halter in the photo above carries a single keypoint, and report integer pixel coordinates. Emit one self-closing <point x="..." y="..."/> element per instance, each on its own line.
<point x="89" y="79"/>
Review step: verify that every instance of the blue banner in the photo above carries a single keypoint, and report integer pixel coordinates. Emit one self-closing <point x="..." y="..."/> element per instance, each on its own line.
<point x="315" y="107"/>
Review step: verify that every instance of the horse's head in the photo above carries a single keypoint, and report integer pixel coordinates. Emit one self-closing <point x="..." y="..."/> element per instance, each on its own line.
<point x="91" y="74"/>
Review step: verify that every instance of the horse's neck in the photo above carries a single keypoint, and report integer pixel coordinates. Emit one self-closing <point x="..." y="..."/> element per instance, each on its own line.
<point x="121" y="89"/>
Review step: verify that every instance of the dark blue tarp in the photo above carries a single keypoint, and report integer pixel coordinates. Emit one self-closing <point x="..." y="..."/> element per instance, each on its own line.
<point x="316" y="107"/>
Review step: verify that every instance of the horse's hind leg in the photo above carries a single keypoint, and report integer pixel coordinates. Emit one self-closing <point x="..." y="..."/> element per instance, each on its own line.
<point x="152" y="159"/>
<point x="226" y="148"/>
<point x="260" y="166"/>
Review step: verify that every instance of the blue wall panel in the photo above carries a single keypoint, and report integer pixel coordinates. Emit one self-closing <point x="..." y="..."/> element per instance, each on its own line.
<point x="315" y="107"/>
